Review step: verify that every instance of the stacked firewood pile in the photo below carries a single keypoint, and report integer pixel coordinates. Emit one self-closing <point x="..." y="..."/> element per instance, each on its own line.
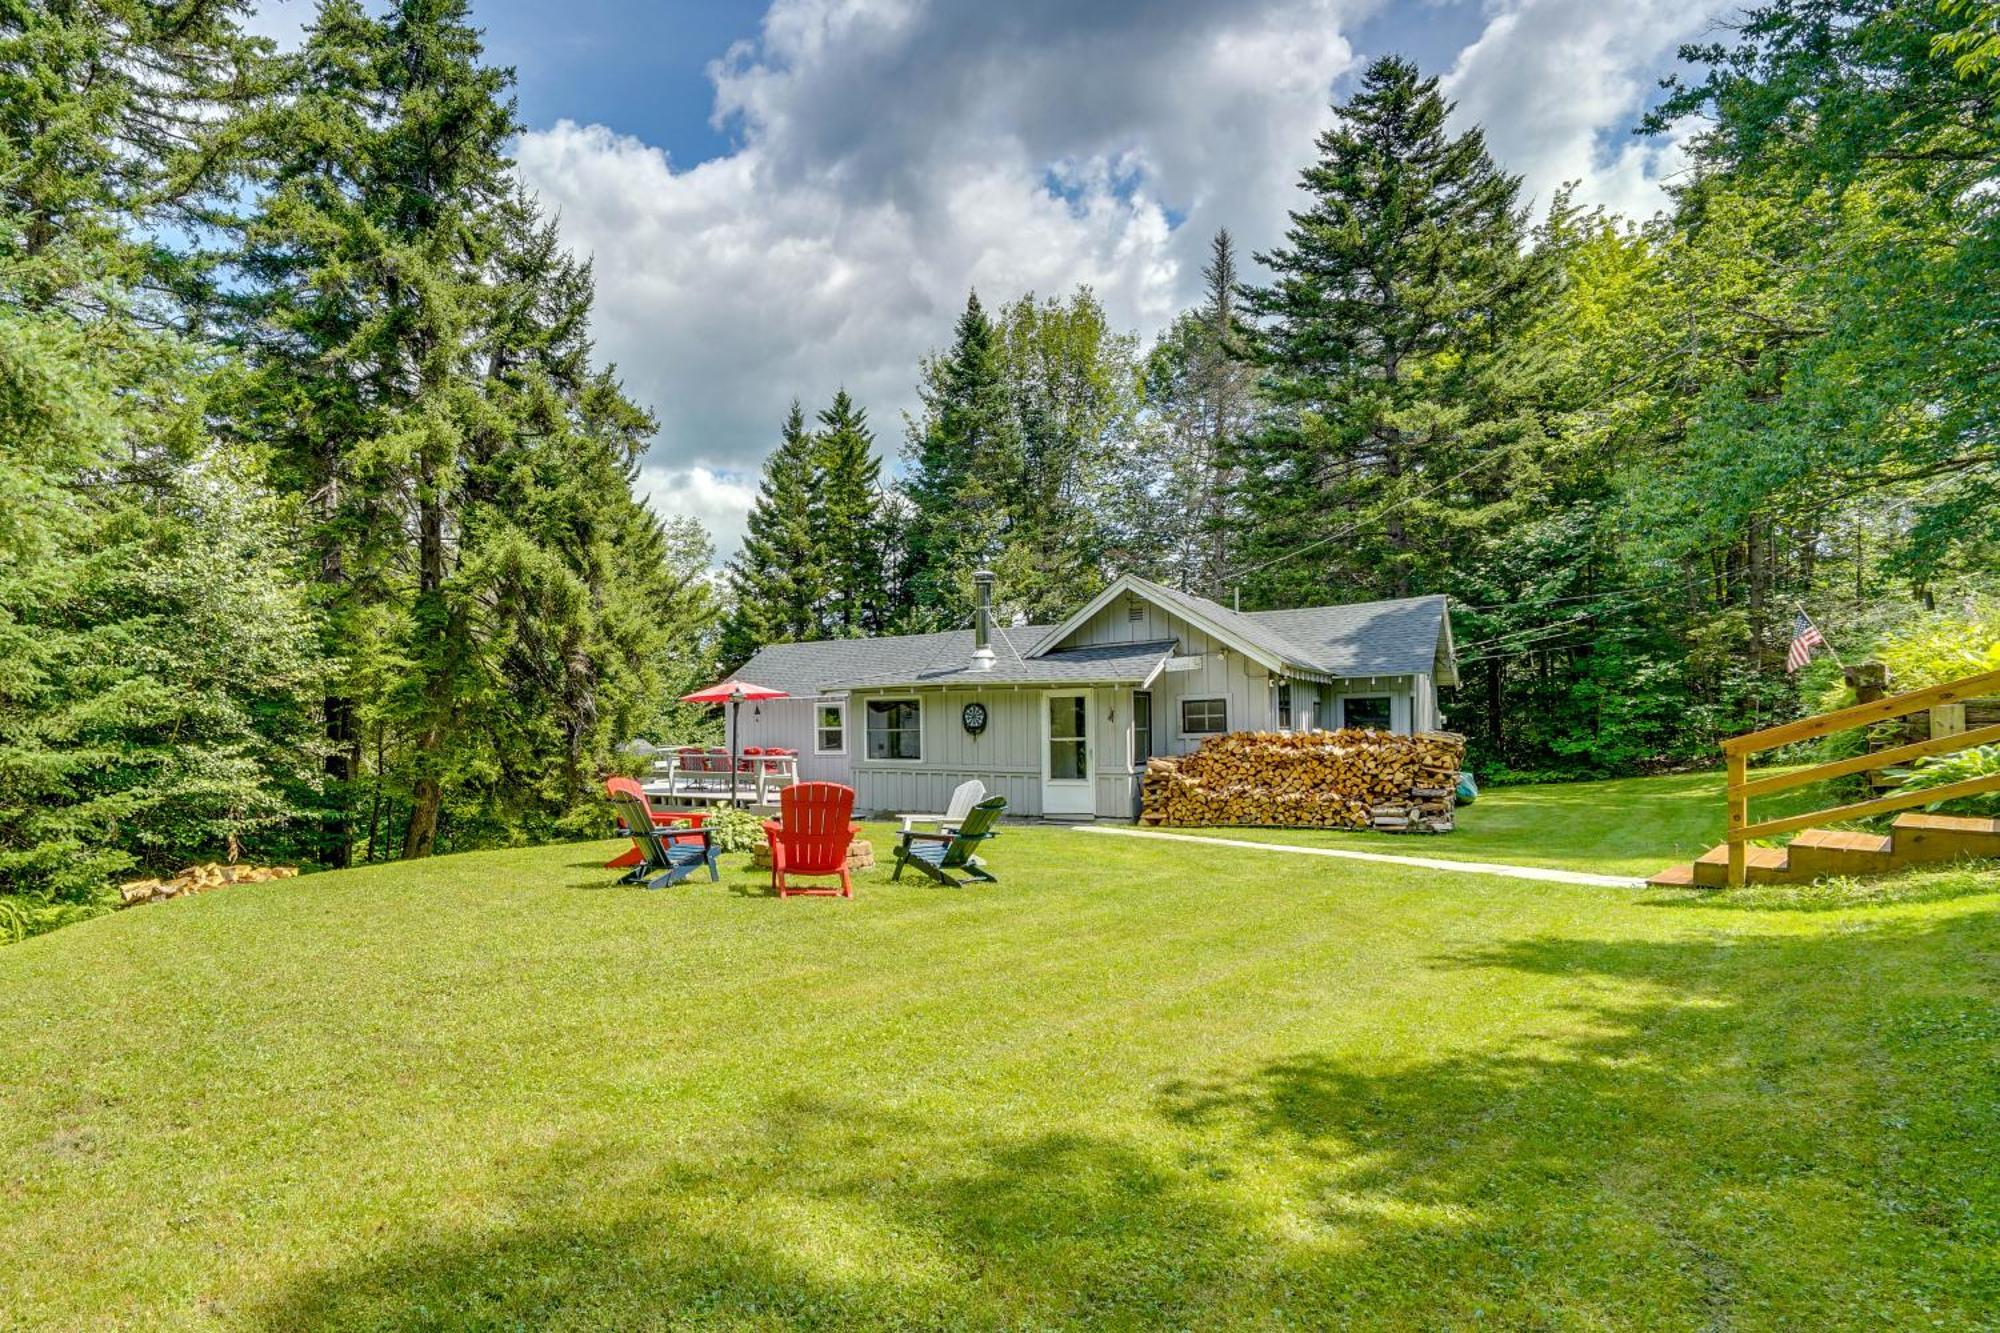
<point x="1318" y="779"/>
<point x="198" y="879"/>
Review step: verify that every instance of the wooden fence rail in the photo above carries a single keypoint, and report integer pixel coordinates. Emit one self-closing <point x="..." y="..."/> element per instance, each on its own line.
<point x="1738" y="749"/>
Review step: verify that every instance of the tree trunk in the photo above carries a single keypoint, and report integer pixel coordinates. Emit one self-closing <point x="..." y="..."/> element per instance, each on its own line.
<point x="343" y="766"/>
<point x="421" y="836"/>
<point x="427" y="797"/>
<point x="1495" y="698"/>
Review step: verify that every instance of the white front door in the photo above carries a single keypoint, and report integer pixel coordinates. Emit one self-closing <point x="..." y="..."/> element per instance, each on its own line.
<point x="1067" y="785"/>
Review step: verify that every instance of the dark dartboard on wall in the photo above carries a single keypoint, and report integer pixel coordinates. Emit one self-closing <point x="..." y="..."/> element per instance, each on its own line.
<point x="973" y="716"/>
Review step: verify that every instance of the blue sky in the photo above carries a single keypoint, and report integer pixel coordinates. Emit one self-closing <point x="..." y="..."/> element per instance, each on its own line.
<point x="782" y="197"/>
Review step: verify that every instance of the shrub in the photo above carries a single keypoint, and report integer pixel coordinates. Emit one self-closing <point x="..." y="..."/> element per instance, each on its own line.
<point x="1982" y="761"/>
<point x="735" y="830"/>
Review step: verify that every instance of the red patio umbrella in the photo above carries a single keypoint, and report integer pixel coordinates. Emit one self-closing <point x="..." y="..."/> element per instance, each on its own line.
<point x="733" y="691"/>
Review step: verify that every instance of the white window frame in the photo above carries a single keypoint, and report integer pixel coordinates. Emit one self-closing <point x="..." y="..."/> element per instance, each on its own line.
<point x="867" y="716"/>
<point x="819" y="727"/>
<point x="1222" y="730"/>
<point x="1388" y="699"/>
<point x="1285" y="707"/>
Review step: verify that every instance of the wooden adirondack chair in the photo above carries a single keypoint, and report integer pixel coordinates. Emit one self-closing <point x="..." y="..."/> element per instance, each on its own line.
<point x="810" y="837"/>
<point x="667" y="856"/>
<point x="968" y="794"/>
<point x="938" y="854"/>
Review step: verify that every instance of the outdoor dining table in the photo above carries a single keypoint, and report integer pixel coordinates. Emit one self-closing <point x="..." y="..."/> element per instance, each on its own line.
<point x="707" y="777"/>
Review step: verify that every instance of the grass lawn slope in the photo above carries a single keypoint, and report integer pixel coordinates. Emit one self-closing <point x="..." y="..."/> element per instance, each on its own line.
<point x="1135" y="1085"/>
<point x="1623" y="826"/>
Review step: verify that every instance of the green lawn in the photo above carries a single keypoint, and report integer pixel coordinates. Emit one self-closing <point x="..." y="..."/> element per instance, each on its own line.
<point x="1136" y="1085"/>
<point x="1629" y="826"/>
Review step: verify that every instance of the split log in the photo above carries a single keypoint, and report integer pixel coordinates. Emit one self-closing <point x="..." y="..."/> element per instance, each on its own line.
<point x="198" y="879"/>
<point x="1352" y="778"/>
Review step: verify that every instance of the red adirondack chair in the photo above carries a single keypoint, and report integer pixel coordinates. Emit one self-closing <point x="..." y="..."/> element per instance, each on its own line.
<point x="811" y="835"/>
<point x="636" y="854"/>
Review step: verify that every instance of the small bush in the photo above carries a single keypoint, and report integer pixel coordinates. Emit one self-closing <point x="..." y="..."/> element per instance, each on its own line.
<point x="736" y="830"/>
<point x="1982" y="761"/>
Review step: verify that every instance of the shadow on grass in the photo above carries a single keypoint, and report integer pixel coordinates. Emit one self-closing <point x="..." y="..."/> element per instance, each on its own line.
<point x="1773" y="1129"/>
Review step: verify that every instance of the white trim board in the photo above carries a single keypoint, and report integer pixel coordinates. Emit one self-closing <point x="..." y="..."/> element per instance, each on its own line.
<point x="1424" y="862"/>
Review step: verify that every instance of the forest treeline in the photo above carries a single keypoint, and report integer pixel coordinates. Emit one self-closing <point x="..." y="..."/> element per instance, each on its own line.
<point x="1630" y="451"/>
<point x="318" y="537"/>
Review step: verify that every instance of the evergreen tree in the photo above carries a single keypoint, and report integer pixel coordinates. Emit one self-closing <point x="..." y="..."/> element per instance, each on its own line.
<point x="155" y="651"/>
<point x="963" y="454"/>
<point x="850" y="524"/>
<point x="423" y="376"/>
<point x="1390" y="356"/>
<point x="778" y="581"/>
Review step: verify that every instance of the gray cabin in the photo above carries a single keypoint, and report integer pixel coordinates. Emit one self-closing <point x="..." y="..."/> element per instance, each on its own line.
<point x="1060" y="719"/>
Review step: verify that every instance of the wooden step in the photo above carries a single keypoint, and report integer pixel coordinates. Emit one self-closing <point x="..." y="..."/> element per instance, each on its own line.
<point x="1673" y="877"/>
<point x="1763" y="865"/>
<point x="1819" y="852"/>
<point x="1921" y="839"/>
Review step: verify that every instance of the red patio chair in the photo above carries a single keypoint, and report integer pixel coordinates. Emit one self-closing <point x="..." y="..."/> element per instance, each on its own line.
<point x="664" y="855"/>
<point x="636" y="854"/>
<point x="811" y="836"/>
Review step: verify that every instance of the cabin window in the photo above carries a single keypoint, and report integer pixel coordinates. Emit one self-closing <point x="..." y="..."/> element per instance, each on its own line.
<point x="830" y="729"/>
<point x="895" y="729"/>
<point x="1142" y="728"/>
<point x="1365" y="710"/>
<point x="1284" y="705"/>
<point x="1202" y="717"/>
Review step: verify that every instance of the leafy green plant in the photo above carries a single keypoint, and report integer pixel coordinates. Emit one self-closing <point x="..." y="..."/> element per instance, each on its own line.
<point x="1981" y="761"/>
<point x="735" y="830"/>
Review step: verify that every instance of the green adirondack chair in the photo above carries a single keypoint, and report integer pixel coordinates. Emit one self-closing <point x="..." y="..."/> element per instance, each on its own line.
<point x="938" y="854"/>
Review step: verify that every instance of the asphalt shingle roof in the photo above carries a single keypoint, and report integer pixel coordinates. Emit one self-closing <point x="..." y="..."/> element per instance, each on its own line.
<point x="1392" y="638"/>
<point x="1396" y="638"/>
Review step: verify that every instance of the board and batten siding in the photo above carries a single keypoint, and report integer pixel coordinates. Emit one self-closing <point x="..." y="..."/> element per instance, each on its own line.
<point x="1219" y="672"/>
<point x="789" y="723"/>
<point x="1006" y="756"/>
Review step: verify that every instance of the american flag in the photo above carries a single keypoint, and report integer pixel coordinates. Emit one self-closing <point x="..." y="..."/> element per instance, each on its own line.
<point x="1805" y="638"/>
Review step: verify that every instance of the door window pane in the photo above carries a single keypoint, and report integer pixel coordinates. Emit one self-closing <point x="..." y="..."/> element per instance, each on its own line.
<point x="1285" y="705"/>
<point x="1068" y="730"/>
<point x="1142" y="728"/>
<point x="895" y="729"/>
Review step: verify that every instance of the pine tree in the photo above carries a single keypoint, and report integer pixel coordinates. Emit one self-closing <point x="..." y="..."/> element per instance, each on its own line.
<point x="1389" y="349"/>
<point x="964" y="452"/>
<point x="423" y="378"/>
<point x="778" y="581"/>
<point x="154" y="646"/>
<point x="853" y="535"/>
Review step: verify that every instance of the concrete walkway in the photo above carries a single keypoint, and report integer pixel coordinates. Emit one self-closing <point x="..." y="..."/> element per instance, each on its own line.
<point x="1342" y="853"/>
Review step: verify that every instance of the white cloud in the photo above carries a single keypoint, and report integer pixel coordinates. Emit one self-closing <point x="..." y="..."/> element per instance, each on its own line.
<point x="1559" y="83"/>
<point x="718" y="501"/>
<point x="893" y="153"/>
